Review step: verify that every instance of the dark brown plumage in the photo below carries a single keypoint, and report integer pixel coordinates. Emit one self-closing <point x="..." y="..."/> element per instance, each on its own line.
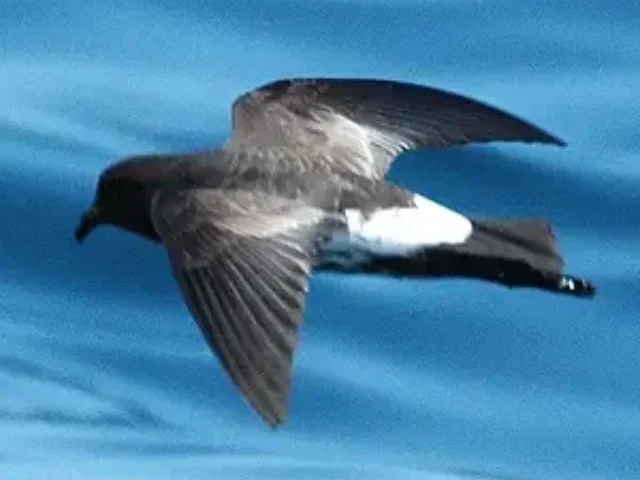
<point x="245" y="225"/>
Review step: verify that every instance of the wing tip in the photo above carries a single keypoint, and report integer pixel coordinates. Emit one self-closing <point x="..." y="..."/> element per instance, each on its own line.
<point x="549" y="139"/>
<point x="273" y="420"/>
<point x="537" y="136"/>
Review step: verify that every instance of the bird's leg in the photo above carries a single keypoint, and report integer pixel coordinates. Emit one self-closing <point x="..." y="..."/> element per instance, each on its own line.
<point x="521" y="275"/>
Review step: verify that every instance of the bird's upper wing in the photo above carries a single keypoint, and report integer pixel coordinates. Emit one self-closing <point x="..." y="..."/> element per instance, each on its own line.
<point x="360" y="125"/>
<point x="242" y="260"/>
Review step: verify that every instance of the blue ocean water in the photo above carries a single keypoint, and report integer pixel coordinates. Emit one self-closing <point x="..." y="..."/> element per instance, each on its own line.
<point x="104" y="375"/>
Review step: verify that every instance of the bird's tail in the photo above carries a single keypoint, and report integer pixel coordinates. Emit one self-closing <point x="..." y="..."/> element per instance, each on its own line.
<point x="512" y="252"/>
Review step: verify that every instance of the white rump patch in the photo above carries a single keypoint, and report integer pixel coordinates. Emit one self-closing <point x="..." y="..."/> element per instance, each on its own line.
<point x="401" y="231"/>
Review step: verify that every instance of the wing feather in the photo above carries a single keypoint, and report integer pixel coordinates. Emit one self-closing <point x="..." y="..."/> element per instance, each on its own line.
<point x="242" y="261"/>
<point x="359" y="126"/>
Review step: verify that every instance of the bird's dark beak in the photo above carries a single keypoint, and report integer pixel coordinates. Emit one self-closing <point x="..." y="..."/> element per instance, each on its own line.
<point x="89" y="220"/>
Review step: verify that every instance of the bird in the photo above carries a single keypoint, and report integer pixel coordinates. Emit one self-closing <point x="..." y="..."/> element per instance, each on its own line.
<point x="300" y="187"/>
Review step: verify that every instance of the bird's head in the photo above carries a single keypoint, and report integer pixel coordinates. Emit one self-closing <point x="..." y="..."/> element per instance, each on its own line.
<point x="122" y="199"/>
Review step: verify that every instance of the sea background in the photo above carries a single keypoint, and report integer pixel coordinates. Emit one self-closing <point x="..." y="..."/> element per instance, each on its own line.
<point x="103" y="374"/>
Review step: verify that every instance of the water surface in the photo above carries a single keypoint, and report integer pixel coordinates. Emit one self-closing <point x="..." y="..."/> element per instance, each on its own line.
<point x="104" y="375"/>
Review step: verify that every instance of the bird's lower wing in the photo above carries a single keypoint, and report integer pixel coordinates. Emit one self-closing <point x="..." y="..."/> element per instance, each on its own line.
<point x="244" y="278"/>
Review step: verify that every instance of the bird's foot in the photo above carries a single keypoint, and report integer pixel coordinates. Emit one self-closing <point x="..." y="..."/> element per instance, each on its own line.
<point x="576" y="286"/>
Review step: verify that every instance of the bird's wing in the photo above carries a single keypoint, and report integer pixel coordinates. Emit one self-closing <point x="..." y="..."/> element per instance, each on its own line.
<point x="242" y="261"/>
<point x="359" y="126"/>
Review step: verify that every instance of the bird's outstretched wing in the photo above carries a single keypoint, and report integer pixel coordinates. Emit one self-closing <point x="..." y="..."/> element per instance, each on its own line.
<point x="242" y="260"/>
<point x="359" y="126"/>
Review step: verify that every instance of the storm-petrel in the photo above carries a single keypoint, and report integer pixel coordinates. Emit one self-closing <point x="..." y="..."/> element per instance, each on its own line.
<point x="300" y="186"/>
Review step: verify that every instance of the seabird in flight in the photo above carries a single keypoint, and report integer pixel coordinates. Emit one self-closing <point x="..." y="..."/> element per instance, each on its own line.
<point x="300" y="186"/>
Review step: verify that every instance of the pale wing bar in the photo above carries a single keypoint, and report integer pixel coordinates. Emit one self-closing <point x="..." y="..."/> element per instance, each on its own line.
<point x="342" y="121"/>
<point x="245" y="291"/>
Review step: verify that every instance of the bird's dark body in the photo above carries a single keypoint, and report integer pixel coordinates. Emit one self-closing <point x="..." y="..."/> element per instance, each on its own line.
<point x="302" y="177"/>
<point x="211" y="170"/>
<point x="206" y="171"/>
